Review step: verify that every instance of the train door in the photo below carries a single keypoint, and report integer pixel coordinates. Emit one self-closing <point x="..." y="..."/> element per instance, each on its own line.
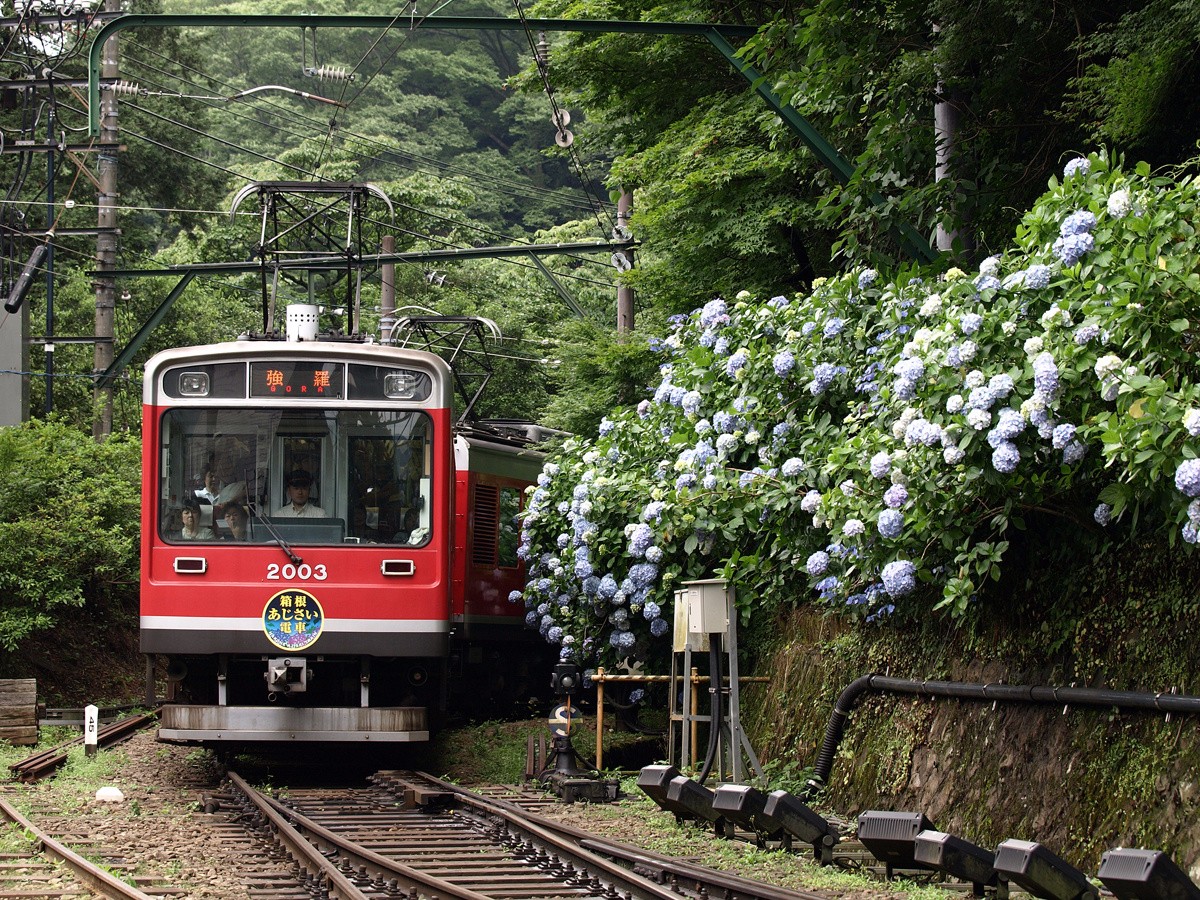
<point x="306" y="450"/>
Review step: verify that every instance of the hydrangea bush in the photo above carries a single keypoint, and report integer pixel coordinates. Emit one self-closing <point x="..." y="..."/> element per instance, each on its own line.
<point x="871" y="444"/>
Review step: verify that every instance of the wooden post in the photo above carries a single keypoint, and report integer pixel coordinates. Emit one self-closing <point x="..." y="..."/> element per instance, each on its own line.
<point x="18" y="711"/>
<point x="599" y="679"/>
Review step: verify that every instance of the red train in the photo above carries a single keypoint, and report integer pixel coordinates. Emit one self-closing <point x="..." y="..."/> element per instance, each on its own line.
<point x="326" y="554"/>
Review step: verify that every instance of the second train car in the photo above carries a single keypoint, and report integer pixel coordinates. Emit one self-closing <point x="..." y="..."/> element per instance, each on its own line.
<point x="326" y="554"/>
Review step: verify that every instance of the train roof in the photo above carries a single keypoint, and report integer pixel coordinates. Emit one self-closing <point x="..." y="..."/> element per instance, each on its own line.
<point x="346" y="351"/>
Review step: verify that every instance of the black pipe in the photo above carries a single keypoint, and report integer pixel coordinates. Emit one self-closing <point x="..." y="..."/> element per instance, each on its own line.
<point x="1008" y="693"/>
<point x="716" y="672"/>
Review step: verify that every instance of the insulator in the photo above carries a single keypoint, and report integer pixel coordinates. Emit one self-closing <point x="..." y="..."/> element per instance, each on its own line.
<point x="124" y="87"/>
<point x="332" y="73"/>
<point x="543" y="49"/>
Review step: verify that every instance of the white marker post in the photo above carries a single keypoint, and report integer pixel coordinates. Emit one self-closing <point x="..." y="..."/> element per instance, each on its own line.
<point x="91" y="729"/>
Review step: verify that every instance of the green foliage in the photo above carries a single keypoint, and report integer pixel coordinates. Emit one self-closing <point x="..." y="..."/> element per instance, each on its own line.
<point x="1138" y="87"/>
<point x="894" y="438"/>
<point x="69" y="514"/>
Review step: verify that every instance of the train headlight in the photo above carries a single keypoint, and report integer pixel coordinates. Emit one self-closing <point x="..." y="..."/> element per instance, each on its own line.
<point x="193" y="384"/>
<point x="401" y="385"/>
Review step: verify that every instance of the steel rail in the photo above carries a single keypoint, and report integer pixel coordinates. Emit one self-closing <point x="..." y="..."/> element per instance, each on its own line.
<point x="94" y="877"/>
<point x="39" y="765"/>
<point x="294" y="825"/>
<point x="717" y="883"/>
<point x="306" y="855"/>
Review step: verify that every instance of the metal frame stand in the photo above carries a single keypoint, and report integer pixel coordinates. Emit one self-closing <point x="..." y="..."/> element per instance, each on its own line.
<point x="700" y="606"/>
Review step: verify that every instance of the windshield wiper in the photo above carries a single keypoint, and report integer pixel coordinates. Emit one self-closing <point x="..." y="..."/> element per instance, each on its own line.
<point x="276" y="536"/>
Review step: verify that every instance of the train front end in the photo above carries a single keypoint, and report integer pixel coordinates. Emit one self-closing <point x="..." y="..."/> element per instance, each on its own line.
<point x="296" y="541"/>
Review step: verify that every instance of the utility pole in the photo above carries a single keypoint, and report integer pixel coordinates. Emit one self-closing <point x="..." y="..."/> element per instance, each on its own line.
<point x="106" y="237"/>
<point x="387" y="291"/>
<point x="624" y="291"/>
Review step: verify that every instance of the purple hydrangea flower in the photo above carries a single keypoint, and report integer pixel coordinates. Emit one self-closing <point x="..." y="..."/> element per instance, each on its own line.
<point x="895" y="496"/>
<point x="1045" y="374"/>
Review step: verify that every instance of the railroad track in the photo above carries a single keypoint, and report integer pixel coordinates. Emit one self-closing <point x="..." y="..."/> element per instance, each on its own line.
<point x="39" y="765"/>
<point x="407" y="834"/>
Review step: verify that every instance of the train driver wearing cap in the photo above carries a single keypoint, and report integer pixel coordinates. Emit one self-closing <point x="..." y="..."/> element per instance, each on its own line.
<point x="299" y="486"/>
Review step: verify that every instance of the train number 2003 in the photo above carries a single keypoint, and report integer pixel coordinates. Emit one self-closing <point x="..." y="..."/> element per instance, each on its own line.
<point x="302" y="572"/>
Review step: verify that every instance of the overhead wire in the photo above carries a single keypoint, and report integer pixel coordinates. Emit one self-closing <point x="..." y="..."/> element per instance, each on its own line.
<point x="288" y="116"/>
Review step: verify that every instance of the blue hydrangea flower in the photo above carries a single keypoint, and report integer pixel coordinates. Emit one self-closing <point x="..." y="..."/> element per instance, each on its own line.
<point x="817" y="563"/>
<point x="725" y="423"/>
<point x="691" y="402"/>
<point x="1074" y="452"/>
<point x="986" y="283"/>
<point x="1080" y="166"/>
<point x="653" y="511"/>
<point x="792" y="467"/>
<point x="881" y="464"/>
<point x="721" y="347"/>
<point x="783" y="362"/>
<point x="514" y="596"/>
<point x="1103" y="514"/>
<point x="1086" y="333"/>
<point x="1073" y="247"/>
<point x="736" y="363"/>
<point x="654" y="554"/>
<point x="1081" y="221"/>
<point x="1005" y="457"/>
<point x="659" y="627"/>
<point x="891" y="523"/>
<point x="811" y="501"/>
<point x="608" y="587"/>
<point x="899" y="577"/>
<point x="651" y="610"/>
<point x="866" y="278"/>
<point x="823" y="375"/>
<point x="714" y="313"/>
<point x="833" y="327"/>
<point x="1187" y="477"/>
<point x="971" y="322"/>
<point x="641" y="536"/>
<point x="853" y="527"/>
<point x="1063" y="435"/>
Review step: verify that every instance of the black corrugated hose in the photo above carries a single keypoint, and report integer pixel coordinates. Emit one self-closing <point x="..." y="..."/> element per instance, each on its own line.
<point x="991" y="691"/>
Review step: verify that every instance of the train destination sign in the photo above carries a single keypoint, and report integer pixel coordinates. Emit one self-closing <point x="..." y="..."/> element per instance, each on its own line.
<point x="297" y="380"/>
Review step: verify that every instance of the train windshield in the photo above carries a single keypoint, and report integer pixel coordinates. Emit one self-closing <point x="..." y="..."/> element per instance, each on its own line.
<point x="304" y="476"/>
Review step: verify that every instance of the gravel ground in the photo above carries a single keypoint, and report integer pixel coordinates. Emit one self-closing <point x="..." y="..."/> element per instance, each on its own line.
<point x="158" y="825"/>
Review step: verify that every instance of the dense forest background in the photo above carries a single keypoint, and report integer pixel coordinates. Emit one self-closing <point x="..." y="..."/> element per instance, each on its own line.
<point x="456" y="127"/>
